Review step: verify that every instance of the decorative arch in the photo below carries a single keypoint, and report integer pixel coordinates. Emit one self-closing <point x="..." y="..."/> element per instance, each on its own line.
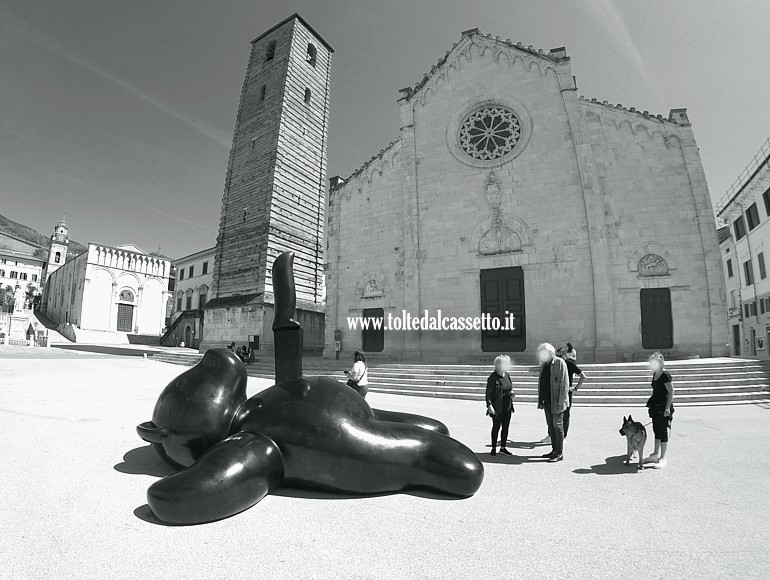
<point x="128" y="279"/>
<point x="127" y="295"/>
<point x="500" y="234"/>
<point x="651" y="259"/>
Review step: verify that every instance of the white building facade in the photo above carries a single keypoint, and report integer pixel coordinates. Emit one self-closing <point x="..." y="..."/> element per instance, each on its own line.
<point x="121" y="290"/>
<point x="192" y="289"/>
<point x="744" y="213"/>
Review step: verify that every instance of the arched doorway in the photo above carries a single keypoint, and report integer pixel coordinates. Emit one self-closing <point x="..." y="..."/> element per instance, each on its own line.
<point x="126" y="311"/>
<point x="188" y="337"/>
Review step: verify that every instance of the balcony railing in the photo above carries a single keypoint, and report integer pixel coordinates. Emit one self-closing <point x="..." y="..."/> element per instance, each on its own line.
<point x="745" y="176"/>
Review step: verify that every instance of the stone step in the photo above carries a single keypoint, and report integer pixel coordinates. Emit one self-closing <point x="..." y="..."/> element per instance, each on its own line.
<point x="755" y="378"/>
<point x="615" y="401"/>
<point x="718" y="381"/>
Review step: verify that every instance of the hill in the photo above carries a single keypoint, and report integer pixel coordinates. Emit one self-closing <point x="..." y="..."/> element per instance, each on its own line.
<point x="34" y="237"/>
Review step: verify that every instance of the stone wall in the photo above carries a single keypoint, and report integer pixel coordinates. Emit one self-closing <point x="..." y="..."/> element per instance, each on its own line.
<point x="587" y="188"/>
<point x="274" y="195"/>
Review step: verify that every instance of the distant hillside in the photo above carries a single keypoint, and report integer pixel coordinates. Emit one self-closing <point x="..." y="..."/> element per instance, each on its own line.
<point x="34" y="237"/>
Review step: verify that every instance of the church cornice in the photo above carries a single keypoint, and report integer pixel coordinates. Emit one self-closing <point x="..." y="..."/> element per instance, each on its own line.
<point x="631" y="111"/>
<point x="484" y="43"/>
<point x="364" y="173"/>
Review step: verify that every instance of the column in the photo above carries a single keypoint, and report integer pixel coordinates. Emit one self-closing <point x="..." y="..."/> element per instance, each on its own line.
<point x="112" y="323"/>
<point x="715" y="282"/>
<point x="598" y="210"/>
<point x="412" y="342"/>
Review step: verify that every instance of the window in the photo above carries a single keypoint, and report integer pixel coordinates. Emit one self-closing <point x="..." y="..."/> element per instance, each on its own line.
<point x="762" y="306"/>
<point x="270" y="51"/>
<point x="753" y="309"/>
<point x="766" y="199"/>
<point x="205" y="267"/>
<point x="202" y="299"/>
<point x="14" y="274"/>
<point x="740" y="228"/>
<point x="23" y="275"/>
<point x="746" y="310"/>
<point x="57" y="257"/>
<point x="190" y="274"/>
<point x="34" y="277"/>
<point x="307" y="95"/>
<point x="489" y="133"/>
<point x="179" y="304"/>
<point x="262" y="93"/>
<point x="748" y="272"/>
<point x="311" y="55"/>
<point x="188" y="303"/>
<point x="181" y="274"/>
<point x="732" y="298"/>
<point x="729" y="268"/>
<point x="752" y="216"/>
<point x="2" y="273"/>
<point x="761" y="260"/>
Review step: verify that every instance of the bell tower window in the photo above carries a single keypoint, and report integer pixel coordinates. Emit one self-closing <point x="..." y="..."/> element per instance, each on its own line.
<point x="311" y="55"/>
<point x="270" y="51"/>
<point x="308" y="95"/>
<point x="57" y="257"/>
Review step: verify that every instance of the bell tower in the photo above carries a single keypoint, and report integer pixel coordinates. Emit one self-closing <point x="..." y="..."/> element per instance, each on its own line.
<point x="57" y="249"/>
<point x="274" y="194"/>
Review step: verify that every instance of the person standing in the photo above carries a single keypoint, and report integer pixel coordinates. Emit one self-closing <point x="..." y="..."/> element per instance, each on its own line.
<point x="571" y="352"/>
<point x="660" y="409"/>
<point x="500" y="402"/>
<point x="358" y="376"/>
<point x="572" y="370"/>
<point x="553" y="388"/>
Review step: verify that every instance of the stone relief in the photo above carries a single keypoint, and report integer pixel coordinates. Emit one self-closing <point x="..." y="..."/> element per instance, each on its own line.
<point x="652" y="265"/>
<point x="499" y="240"/>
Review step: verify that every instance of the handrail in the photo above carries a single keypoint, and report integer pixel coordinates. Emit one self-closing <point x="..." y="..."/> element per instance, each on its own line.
<point x="744" y="177"/>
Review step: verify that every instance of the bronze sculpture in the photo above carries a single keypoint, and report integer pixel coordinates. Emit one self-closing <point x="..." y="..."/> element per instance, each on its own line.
<point x="312" y="432"/>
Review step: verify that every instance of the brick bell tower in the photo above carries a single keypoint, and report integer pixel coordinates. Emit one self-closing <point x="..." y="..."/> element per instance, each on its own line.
<point x="274" y="196"/>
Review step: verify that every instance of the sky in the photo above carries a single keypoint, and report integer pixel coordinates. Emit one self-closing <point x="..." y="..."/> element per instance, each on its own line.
<point x="120" y="114"/>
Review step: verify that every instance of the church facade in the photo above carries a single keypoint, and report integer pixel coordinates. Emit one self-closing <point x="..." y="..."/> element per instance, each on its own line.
<point x="115" y="291"/>
<point x="509" y="195"/>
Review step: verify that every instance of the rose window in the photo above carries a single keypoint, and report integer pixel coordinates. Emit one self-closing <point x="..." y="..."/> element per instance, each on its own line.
<point x="490" y="133"/>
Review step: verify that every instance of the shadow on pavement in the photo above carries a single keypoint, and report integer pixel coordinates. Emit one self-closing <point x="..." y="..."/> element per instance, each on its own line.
<point x="523" y="444"/>
<point x="303" y="493"/>
<point x="144" y="513"/>
<point x="510" y="459"/>
<point x="612" y="466"/>
<point x="144" y="461"/>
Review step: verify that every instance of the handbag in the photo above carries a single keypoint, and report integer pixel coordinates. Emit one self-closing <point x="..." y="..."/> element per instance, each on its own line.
<point x="352" y="383"/>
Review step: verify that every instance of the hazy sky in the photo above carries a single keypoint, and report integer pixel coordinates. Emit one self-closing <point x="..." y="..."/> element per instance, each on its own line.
<point x="121" y="113"/>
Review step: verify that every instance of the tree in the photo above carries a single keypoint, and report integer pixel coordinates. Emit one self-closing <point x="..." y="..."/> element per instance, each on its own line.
<point x="6" y="305"/>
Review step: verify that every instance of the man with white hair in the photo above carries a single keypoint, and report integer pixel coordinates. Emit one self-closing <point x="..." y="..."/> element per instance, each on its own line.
<point x="553" y="398"/>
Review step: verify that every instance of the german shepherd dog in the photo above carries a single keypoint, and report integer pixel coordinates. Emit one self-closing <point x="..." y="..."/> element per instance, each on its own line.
<point x="636" y="437"/>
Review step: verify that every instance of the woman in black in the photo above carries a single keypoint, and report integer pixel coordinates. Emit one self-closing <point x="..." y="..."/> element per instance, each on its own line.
<point x="500" y="402"/>
<point x="661" y="409"/>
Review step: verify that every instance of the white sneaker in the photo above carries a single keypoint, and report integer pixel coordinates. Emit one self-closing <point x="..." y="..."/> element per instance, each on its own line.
<point x="652" y="458"/>
<point x="660" y="464"/>
<point x="546" y="441"/>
